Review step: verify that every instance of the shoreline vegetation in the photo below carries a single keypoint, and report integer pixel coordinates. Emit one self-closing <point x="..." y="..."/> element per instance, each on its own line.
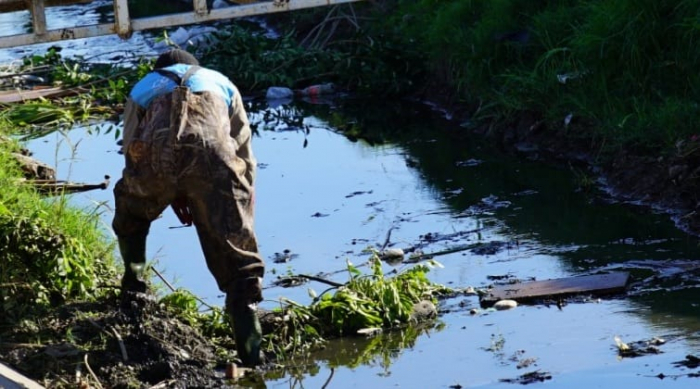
<point x="610" y="87"/>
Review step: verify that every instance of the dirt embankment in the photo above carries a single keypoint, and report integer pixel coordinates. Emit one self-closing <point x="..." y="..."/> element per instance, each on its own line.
<point x="113" y="344"/>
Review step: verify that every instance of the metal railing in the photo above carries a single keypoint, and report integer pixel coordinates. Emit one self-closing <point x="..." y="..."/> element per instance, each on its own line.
<point x="124" y="26"/>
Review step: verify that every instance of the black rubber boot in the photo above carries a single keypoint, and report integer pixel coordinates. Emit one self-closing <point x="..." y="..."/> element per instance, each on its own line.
<point x="246" y="329"/>
<point x="133" y="250"/>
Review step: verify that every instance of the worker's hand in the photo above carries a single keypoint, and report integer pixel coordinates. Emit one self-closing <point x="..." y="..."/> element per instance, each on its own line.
<point x="182" y="211"/>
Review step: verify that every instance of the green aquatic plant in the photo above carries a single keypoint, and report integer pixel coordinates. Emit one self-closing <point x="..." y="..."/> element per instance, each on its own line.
<point x="36" y="118"/>
<point x="188" y="307"/>
<point x="366" y="303"/>
<point x="89" y="92"/>
<point x="255" y="61"/>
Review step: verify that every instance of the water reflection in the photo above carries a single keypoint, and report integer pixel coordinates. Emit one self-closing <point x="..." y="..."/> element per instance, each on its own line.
<point x="354" y="352"/>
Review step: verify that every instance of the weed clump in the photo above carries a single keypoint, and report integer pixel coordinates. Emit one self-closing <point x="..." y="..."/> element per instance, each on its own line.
<point x="52" y="252"/>
<point x="367" y="303"/>
<point x="620" y="73"/>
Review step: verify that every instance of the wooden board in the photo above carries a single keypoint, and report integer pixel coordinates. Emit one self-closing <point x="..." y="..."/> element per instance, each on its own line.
<point x="598" y="284"/>
<point x="20" y="95"/>
<point x="19" y="5"/>
<point x="10" y="378"/>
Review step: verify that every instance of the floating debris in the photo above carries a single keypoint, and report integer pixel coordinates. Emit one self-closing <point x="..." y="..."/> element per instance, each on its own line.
<point x="392" y="256"/>
<point x="369" y="332"/>
<point x="639" y="348"/>
<point x="423" y="310"/>
<point x="289" y="281"/>
<point x="598" y="284"/>
<point x="529" y="378"/>
<point x="357" y="193"/>
<point x="504" y="305"/>
<point x="283" y="257"/>
<point x="469" y="163"/>
<point x="470" y="291"/>
<point x="690" y="361"/>
<point x="499" y="277"/>
<point x="489" y="248"/>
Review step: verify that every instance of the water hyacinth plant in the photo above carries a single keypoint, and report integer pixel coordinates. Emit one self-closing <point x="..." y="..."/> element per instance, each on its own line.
<point x="366" y="301"/>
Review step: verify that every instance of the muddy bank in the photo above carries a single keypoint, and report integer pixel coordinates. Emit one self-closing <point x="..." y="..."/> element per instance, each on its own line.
<point x="114" y="344"/>
<point x="669" y="184"/>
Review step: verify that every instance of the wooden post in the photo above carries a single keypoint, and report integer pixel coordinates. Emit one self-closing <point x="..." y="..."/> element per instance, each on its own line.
<point x="200" y="7"/>
<point x="122" y="23"/>
<point x="38" y="10"/>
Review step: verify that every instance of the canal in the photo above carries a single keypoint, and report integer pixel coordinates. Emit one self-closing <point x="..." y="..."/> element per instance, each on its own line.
<point x="325" y="194"/>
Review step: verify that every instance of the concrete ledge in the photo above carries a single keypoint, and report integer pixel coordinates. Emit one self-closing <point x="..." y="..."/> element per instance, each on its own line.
<point x="10" y="379"/>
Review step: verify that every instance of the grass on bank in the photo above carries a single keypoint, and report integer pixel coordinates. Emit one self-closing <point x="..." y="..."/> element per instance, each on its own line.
<point x="625" y="70"/>
<point x="52" y="252"/>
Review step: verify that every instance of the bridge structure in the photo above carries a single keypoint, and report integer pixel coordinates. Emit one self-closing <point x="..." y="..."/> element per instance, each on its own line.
<point x="124" y="25"/>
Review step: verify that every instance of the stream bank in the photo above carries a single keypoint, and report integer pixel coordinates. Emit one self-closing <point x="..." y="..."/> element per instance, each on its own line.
<point x="667" y="184"/>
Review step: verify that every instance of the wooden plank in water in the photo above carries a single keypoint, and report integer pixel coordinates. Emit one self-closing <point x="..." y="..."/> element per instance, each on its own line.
<point x="10" y="378"/>
<point x="19" y="5"/>
<point x="598" y="284"/>
<point x="20" y="95"/>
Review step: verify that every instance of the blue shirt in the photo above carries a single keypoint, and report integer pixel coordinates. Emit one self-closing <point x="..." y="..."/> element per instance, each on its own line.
<point x="155" y="84"/>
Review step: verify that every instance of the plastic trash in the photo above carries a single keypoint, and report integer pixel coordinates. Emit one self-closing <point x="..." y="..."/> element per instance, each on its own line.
<point x="28" y="79"/>
<point x="565" y="77"/>
<point x="316" y="90"/>
<point x="278" y="92"/>
<point x="220" y="4"/>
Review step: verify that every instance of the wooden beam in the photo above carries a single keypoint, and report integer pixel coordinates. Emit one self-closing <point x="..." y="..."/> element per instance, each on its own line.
<point x="10" y="378"/>
<point x="598" y="284"/>
<point x="20" y="95"/>
<point x="20" y="5"/>
<point x="124" y="25"/>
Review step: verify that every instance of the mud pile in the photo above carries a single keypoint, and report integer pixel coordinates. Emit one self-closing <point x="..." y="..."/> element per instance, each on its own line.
<point x="115" y="344"/>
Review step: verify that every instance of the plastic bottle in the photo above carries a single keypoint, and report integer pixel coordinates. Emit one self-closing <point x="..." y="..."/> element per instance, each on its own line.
<point x="278" y="92"/>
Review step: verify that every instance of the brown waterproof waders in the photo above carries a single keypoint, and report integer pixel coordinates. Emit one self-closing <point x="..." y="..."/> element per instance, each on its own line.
<point x="186" y="146"/>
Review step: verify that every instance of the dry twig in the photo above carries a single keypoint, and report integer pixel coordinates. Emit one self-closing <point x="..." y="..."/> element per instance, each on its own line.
<point x="172" y="288"/>
<point x="92" y="373"/>
<point x="122" y="347"/>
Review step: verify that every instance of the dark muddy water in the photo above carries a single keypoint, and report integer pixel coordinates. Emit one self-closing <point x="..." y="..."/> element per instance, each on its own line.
<point x="325" y="198"/>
